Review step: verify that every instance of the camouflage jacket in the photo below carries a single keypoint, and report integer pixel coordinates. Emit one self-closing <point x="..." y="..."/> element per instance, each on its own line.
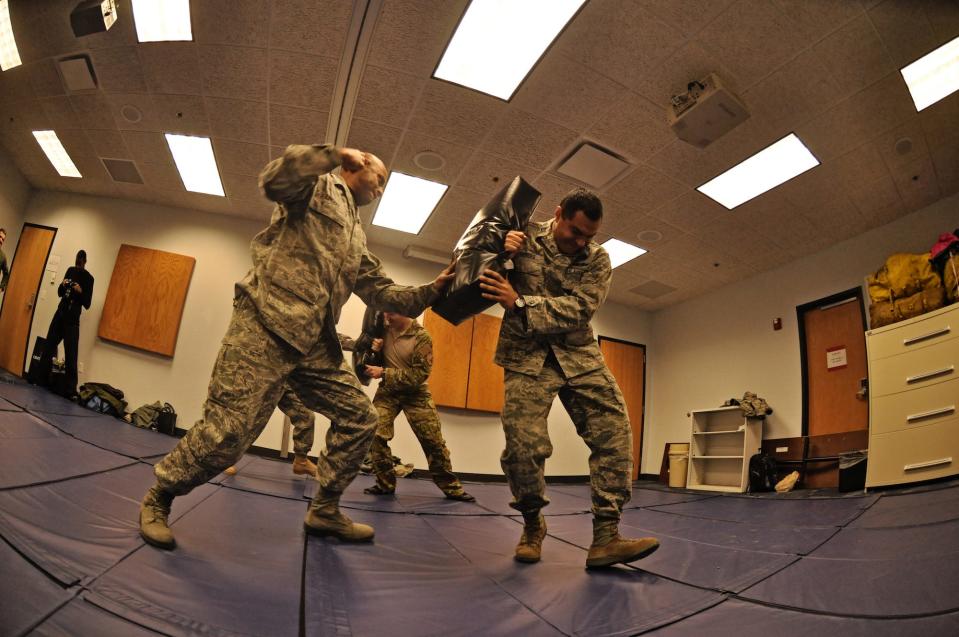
<point x="562" y="292"/>
<point x="419" y="366"/>
<point x="313" y="255"/>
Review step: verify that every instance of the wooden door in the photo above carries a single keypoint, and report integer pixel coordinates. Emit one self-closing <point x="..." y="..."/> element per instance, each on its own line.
<point x="834" y="362"/>
<point x="627" y="363"/>
<point x="485" y="389"/>
<point x="20" y="299"/>
<point x="451" y="359"/>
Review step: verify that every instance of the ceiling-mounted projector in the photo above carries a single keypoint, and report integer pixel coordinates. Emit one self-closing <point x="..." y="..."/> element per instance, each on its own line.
<point x="93" y="16"/>
<point x="706" y="112"/>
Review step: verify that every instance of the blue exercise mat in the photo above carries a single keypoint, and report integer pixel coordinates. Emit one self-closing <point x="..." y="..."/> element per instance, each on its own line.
<point x="269" y="477"/>
<point x="237" y="569"/>
<point x="769" y="512"/>
<point x="641" y="497"/>
<point x="83" y="618"/>
<point x="26" y="594"/>
<point x="77" y="529"/>
<point x="911" y="509"/>
<point x="114" y="434"/>
<point x="20" y="424"/>
<point x="39" y="400"/>
<point x="6" y="405"/>
<point x="410" y="581"/>
<point x="40" y="460"/>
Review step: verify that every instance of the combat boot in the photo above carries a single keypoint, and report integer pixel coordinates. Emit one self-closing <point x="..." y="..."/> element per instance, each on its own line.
<point x="154" y="511"/>
<point x="530" y="545"/>
<point x="609" y="548"/>
<point x="302" y="465"/>
<point x="325" y="519"/>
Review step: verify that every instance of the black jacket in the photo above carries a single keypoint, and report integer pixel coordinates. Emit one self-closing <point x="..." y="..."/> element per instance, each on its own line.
<point x="71" y="301"/>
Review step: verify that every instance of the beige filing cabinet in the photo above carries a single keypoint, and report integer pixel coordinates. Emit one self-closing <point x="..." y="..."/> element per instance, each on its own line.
<point x="913" y="394"/>
<point x="720" y="446"/>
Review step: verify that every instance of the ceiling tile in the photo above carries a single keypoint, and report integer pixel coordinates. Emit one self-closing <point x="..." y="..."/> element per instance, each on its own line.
<point x="940" y="122"/>
<point x="171" y="67"/>
<point x="45" y="78"/>
<point x="634" y="127"/>
<point x="672" y="75"/>
<point x="109" y="144"/>
<point x="240" y="186"/>
<point x="944" y="19"/>
<point x="904" y="29"/>
<point x="454" y="113"/>
<point x="60" y="111"/>
<point x="118" y="70"/>
<point x="946" y="162"/>
<point x="15" y="85"/>
<point x="411" y="35"/>
<point x="553" y="189"/>
<point x="387" y="96"/>
<point x="752" y="39"/>
<point x="455" y="155"/>
<point x="376" y="138"/>
<point x="241" y="158"/>
<point x="528" y="139"/>
<point x="689" y="16"/>
<point x="646" y="189"/>
<point x="878" y="202"/>
<point x="310" y="26"/>
<point x="817" y="18"/>
<point x="233" y="71"/>
<point x="147" y="147"/>
<point x="161" y="176"/>
<point x="487" y="173"/>
<point x="292" y="125"/>
<point x="185" y="114"/>
<point x="453" y="215"/>
<point x="248" y="23"/>
<point x="639" y="228"/>
<point x="863" y="164"/>
<point x="566" y="92"/>
<point x="28" y="115"/>
<point x="854" y="56"/>
<point x="917" y="183"/>
<point x="692" y="212"/>
<point x="238" y="120"/>
<point x="130" y="111"/>
<point x="904" y="144"/>
<point x="299" y="79"/>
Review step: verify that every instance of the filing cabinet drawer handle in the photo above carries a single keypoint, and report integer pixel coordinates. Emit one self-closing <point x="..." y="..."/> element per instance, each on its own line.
<point x="930" y="414"/>
<point x="926" y="465"/>
<point x="928" y="375"/>
<point x="923" y="337"/>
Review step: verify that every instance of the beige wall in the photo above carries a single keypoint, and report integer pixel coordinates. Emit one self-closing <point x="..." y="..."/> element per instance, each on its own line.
<point x="720" y="345"/>
<point x="220" y="246"/>
<point x="14" y="194"/>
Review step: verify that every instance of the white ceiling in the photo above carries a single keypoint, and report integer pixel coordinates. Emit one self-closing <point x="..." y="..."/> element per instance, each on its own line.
<point x="261" y="74"/>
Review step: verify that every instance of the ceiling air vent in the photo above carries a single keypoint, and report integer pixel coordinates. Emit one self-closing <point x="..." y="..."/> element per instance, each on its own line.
<point x="77" y="73"/>
<point x="653" y="289"/>
<point x="123" y="170"/>
<point x="594" y="166"/>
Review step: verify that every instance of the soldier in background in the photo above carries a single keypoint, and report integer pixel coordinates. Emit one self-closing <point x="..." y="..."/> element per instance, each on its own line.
<point x="546" y="346"/>
<point x="408" y="354"/>
<point x="282" y="336"/>
<point x="4" y="269"/>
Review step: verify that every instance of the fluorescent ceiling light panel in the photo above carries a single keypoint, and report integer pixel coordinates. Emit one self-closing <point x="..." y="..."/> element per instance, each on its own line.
<point x="9" y="55"/>
<point x="196" y="163"/>
<point x="765" y="170"/>
<point x="933" y="76"/>
<point x="498" y="41"/>
<point x="56" y="153"/>
<point x="407" y="203"/>
<point x="162" y="20"/>
<point x="621" y="252"/>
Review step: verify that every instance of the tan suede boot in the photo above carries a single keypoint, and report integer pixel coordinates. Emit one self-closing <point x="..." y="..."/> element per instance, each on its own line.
<point x="609" y="548"/>
<point x="303" y="466"/>
<point x="154" y="511"/>
<point x="325" y="519"/>
<point x="530" y="545"/>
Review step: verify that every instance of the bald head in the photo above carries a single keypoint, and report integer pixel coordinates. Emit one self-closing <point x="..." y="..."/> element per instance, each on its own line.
<point x="366" y="181"/>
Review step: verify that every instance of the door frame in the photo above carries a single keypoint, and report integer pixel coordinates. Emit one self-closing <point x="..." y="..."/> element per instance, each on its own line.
<point x="638" y="461"/>
<point x="801" y="311"/>
<point x="36" y="293"/>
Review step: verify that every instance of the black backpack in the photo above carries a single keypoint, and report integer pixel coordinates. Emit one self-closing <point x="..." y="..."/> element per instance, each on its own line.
<point x="762" y="473"/>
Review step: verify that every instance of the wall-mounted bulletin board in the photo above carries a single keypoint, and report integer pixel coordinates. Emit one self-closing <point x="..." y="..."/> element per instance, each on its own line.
<point x="145" y="299"/>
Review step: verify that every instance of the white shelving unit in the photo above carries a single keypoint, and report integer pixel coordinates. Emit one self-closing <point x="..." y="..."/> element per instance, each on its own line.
<point x="720" y="445"/>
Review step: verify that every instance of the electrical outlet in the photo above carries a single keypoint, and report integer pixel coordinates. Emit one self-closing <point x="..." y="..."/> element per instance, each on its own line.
<point x="80" y="367"/>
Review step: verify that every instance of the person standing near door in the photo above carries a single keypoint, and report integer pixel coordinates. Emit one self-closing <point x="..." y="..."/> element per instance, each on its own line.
<point x="4" y="269"/>
<point x="75" y="292"/>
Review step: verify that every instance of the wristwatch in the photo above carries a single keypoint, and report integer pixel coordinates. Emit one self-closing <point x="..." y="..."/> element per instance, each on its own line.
<point x="519" y="304"/>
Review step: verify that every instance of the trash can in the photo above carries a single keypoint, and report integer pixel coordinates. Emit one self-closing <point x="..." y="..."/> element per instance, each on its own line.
<point x="678" y="462"/>
<point x="852" y="470"/>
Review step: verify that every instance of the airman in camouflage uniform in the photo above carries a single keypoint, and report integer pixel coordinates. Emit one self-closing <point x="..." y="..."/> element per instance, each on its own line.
<point x="283" y="336"/>
<point x="408" y="354"/>
<point x="546" y="346"/>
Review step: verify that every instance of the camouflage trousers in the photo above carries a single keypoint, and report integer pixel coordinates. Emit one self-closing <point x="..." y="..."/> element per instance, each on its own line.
<point x="302" y="420"/>
<point x="425" y="423"/>
<point x="598" y="411"/>
<point x="252" y="371"/>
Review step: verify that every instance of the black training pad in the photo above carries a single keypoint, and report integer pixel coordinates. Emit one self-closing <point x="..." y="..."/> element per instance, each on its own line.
<point x="38" y="460"/>
<point x="269" y="477"/>
<point x="706" y="564"/>
<point x="911" y="509"/>
<point x="40" y="400"/>
<point x="114" y="434"/>
<point x="82" y="618"/>
<point x="26" y="594"/>
<point x="909" y="571"/>
<point x="768" y="512"/>
<point x="744" y="619"/>
<point x="236" y="569"/>
<point x="20" y="424"/>
<point x="411" y="581"/>
<point x="77" y="529"/>
<point x="614" y="601"/>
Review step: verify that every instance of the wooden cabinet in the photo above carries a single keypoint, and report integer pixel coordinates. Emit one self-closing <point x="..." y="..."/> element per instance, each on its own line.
<point x="464" y="374"/>
<point x="913" y="396"/>
<point x="721" y="443"/>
